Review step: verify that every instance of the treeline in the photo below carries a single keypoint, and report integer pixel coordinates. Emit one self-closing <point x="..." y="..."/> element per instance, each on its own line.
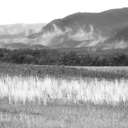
<point x="56" y="57"/>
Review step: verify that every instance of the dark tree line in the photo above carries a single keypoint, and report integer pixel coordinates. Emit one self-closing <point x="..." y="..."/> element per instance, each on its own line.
<point x="56" y="57"/>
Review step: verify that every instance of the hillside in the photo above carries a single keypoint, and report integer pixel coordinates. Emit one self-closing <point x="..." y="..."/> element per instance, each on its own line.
<point x="90" y="31"/>
<point x="16" y="35"/>
<point x="85" y="30"/>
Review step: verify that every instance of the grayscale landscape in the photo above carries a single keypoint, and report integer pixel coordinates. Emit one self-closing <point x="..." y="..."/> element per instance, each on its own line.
<point x="69" y="73"/>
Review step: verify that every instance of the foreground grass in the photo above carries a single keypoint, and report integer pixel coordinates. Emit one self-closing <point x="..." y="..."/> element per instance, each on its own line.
<point x="88" y="116"/>
<point x="19" y="89"/>
<point x="63" y="97"/>
<point x="47" y="84"/>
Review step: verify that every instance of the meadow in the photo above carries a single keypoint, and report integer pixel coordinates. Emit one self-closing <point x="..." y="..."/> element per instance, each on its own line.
<point x="61" y="84"/>
<point x="51" y="90"/>
<point x="66" y="72"/>
<point x="33" y="96"/>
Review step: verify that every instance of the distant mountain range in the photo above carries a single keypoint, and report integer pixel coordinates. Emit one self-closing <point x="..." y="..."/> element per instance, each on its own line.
<point x="15" y="36"/>
<point x="105" y="30"/>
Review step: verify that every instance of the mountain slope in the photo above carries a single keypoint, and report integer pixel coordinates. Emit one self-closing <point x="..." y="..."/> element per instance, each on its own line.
<point x="105" y="30"/>
<point x="16" y="35"/>
<point x="82" y="29"/>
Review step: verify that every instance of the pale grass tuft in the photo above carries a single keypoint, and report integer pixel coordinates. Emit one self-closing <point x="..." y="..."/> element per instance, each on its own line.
<point x="36" y="90"/>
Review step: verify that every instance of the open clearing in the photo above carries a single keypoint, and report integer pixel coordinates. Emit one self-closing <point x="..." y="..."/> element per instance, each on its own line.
<point x="63" y="97"/>
<point x="54" y="116"/>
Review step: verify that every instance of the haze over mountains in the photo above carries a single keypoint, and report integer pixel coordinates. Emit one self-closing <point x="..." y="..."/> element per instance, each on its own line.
<point x="105" y="30"/>
<point x="14" y="36"/>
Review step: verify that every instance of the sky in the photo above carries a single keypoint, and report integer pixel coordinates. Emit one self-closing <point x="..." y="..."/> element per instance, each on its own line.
<point x="44" y="11"/>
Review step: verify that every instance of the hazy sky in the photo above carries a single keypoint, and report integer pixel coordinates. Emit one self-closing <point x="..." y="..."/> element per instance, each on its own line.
<point x="43" y="11"/>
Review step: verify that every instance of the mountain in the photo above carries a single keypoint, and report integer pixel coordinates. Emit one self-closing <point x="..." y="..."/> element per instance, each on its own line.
<point x="89" y="30"/>
<point x="92" y="31"/>
<point x="19" y="45"/>
<point x="16" y="35"/>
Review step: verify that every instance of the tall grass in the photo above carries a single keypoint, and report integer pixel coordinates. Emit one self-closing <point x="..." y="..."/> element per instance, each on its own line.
<point x="19" y="89"/>
<point x="65" y="72"/>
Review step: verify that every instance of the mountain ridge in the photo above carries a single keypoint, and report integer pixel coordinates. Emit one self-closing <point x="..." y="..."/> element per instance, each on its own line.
<point x="102" y="30"/>
<point x="83" y="28"/>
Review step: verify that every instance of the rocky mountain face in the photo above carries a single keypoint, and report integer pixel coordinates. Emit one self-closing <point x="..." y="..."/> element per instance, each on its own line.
<point x="105" y="30"/>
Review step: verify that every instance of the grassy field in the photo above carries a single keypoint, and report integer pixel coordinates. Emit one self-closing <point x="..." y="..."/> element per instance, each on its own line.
<point x="88" y="116"/>
<point x="50" y="90"/>
<point x="63" y="97"/>
<point x="66" y="72"/>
